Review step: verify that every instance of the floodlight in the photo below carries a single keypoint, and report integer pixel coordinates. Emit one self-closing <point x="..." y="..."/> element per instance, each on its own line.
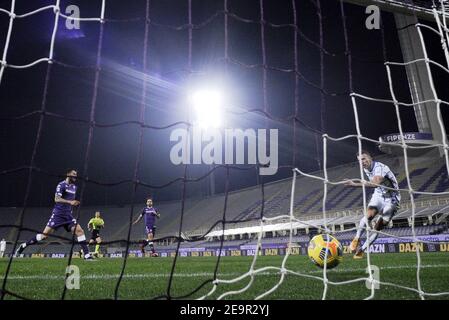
<point x="207" y="106"/>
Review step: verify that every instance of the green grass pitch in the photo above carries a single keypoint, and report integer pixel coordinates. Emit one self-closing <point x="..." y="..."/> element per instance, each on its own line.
<point x="146" y="278"/>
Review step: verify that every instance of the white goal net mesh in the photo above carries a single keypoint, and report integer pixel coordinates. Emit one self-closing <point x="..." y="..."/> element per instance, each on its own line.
<point x="438" y="28"/>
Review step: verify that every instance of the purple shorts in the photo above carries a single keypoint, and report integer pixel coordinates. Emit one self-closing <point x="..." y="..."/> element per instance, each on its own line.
<point x="59" y="219"/>
<point x="149" y="228"/>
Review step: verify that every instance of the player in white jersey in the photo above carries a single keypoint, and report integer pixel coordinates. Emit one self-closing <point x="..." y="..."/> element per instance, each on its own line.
<point x="384" y="202"/>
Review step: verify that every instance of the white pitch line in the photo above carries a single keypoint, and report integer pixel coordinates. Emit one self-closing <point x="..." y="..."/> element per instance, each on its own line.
<point x="204" y="274"/>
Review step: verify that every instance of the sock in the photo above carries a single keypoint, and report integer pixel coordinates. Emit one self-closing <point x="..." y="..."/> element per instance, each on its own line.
<point x="143" y="245"/>
<point x="363" y="223"/>
<point x="373" y="236"/>
<point x="97" y="248"/>
<point x="83" y="244"/>
<point x="34" y="240"/>
<point x="151" y="246"/>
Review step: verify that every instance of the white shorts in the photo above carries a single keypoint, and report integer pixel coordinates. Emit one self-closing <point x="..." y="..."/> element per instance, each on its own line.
<point x="386" y="207"/>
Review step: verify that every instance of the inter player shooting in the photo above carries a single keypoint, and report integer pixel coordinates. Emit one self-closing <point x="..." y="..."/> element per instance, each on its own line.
<point x="149" y="213"/>
<point x="384" y="202"/>
<point x="62" y="215"/>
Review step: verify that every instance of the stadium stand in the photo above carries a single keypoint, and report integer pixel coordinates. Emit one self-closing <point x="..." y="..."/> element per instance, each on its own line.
<point x="343" y="207"/>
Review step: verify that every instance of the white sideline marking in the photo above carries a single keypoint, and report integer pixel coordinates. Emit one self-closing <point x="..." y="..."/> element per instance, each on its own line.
<point x="206" y="274"/>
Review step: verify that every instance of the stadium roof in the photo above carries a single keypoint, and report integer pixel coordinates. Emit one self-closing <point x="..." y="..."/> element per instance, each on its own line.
<point x="422" y="8"/>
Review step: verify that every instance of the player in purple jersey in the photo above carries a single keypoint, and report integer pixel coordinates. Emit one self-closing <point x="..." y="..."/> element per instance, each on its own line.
<point x="62" y="215"/>
<point x="149" y="214"/>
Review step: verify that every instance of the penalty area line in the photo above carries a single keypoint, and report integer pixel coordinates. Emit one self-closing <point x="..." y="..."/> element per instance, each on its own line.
<point x="209" y="274"/>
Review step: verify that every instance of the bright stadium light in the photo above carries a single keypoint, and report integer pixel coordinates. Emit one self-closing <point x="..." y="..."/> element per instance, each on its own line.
<point x="207" y="106"/>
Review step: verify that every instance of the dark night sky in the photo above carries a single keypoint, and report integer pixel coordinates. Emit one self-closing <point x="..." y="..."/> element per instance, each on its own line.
<point x="113" y="151"/>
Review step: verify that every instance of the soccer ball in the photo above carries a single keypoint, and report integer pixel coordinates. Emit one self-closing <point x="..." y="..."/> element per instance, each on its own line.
<point x="318" y="247"/>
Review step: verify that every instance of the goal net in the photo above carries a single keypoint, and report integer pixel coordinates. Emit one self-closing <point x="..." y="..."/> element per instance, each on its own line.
<point x="310" y="69"/>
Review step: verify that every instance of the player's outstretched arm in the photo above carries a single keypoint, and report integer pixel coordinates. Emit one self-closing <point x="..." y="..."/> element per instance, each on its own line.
<point x="59" y="199"/>
<point x="137" y="220"/>
<point x="374" y="183"/>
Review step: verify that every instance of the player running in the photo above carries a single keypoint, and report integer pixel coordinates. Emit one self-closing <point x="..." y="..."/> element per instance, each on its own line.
<point x="62" y="215"/>
<point x="384" y="202"/>
<point x="94" y="225"/>
<point x="149" y="213"/>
